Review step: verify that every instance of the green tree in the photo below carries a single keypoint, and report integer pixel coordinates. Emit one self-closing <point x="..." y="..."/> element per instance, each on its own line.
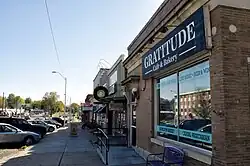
<point x="37" y="104"/>
<point x="18" y="102"/>
<point x="203" y="107"/>
<point x="74" y="107"/>
<point x="49" y="102"/>
<point x="28" y="100"/>
<point x="11" y="101"/>
<point x="59" y="107"/>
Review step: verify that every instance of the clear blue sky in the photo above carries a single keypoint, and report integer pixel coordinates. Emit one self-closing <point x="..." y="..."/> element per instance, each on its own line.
<point x="85" y="30"/>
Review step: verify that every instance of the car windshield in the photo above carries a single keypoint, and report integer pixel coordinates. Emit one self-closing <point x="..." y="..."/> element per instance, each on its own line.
<point x="24" y="122"/>
<point x="54" y="121"/>
<point x="47" y="121"/>
<point x="41" y="122"/>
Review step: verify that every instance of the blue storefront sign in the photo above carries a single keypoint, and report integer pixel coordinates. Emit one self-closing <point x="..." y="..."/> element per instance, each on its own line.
<point x="184" y="41"/>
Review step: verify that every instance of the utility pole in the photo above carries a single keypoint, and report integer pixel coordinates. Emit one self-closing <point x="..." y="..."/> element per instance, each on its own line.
<point x="3" y="102"/>
<point x="65" y="98"/>
<point x="70" y="109"/>
<point x="16" y="107"/>
<point x="65" y="93"/>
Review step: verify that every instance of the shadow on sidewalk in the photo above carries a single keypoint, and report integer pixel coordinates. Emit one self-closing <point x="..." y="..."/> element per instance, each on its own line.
<point x="58" y="149"/>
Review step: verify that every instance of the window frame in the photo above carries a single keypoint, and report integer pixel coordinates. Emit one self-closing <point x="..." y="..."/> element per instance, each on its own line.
<point x="113" y="84"/>
<point x="157" y="100"/>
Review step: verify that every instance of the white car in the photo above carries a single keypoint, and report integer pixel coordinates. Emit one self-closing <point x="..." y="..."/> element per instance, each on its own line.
<point x="49" y="127"/>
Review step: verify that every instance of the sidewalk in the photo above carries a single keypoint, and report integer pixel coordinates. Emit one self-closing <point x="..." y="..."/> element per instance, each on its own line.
<point x="6" y="153"/>
<point x="58" y="149"/>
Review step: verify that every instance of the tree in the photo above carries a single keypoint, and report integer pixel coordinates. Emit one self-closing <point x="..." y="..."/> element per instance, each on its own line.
<point x="18" y="102"/>
<point x="203" y="107"/>
<point x="28" y="100"/>
<point x="59" y="107"/>
<point x="37" y="104"/>
<point x="75" y="107"/>
<point x="49" y="102"/>
<point x="11" y="101"/>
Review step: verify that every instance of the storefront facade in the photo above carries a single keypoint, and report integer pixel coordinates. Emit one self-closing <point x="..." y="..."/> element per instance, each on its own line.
<point x="193" y="84"/>
<point x="117" y="109"/>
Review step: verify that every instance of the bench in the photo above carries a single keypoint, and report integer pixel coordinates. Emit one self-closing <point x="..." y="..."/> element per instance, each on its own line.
<point x="170" y="156"/>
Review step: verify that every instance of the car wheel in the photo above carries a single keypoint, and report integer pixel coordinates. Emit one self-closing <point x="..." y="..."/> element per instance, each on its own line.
<point x="29" y="141"/>
<point x="51" y="129"/>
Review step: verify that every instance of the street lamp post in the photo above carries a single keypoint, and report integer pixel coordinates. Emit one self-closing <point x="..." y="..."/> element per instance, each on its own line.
<point x="65" y="93"/>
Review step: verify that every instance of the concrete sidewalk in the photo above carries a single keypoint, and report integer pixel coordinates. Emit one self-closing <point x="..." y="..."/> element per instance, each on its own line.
<point x="58" y="149"/>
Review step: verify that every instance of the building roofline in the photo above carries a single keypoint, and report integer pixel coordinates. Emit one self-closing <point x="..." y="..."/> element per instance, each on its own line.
<point x="101" y="69"/>
<point x="121" y="58"/>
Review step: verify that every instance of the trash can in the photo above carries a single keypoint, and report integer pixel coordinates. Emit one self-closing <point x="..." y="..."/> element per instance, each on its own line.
<point x="73" y="129"/>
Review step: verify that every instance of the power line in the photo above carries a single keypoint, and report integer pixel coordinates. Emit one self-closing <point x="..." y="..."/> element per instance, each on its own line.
<point x="52" y="34"/>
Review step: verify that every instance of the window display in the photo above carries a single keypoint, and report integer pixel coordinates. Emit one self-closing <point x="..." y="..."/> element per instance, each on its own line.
<point x="191" y="123"/>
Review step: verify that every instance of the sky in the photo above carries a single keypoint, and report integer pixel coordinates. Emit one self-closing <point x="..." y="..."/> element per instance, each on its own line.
<point x="85" y="32"/>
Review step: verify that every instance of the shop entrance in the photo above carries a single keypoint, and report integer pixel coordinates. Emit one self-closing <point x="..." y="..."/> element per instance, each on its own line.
<point x="133" y="124"/>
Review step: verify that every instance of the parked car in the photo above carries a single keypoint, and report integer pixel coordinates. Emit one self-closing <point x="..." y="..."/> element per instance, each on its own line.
<point x="24" y="125"/>
<point x="59" y="120"/>
<point x="206" y="129"/>
<point x="52" y="122"/>
<point x="11" y="135"/>
<point x="49" y="127"/>
<point x="194" y="124"/>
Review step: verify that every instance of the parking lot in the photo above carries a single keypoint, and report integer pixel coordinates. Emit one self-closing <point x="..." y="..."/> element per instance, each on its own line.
<point x="57" y="149"/>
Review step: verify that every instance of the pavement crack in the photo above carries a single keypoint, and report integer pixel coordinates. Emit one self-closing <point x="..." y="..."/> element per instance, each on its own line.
<point x="60" y="161"/>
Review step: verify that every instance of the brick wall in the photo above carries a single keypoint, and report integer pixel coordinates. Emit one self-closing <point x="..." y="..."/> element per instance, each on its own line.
<point x="230" y="87"/>
<point x="229" y="73"/>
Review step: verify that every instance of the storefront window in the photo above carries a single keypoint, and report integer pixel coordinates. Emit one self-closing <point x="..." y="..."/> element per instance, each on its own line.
<point x="112" y="82"/>
<point x="193" y="125"/>
<point x="168" y="110"/>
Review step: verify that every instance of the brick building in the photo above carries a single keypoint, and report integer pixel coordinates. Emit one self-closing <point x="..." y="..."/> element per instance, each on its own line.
<point x="192" y="56"/>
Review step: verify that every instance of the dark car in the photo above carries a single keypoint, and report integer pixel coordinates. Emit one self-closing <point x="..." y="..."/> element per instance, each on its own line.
<point x="206" y="129"/>
<point x="194" y="124"/>
<point x="23" y="125"/>
<point x="59" y="120"/>
<point x="52" y="122"/>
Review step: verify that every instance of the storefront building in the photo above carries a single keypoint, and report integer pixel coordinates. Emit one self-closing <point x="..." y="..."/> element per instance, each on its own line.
<point x="117" y="105"/>
<point x="187" y="79"/>
<point x="110" y="112"/>
<point x="99" y="112"/>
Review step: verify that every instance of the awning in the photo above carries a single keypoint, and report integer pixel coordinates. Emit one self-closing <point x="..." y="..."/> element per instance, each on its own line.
<point x="101" y="110"/>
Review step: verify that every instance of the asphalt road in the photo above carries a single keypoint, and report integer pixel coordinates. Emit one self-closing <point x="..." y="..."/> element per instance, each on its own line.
<point x="57" y="149"/>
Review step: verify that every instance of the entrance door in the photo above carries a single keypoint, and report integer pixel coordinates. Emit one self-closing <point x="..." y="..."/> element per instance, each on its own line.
<point x="133" y="125"/>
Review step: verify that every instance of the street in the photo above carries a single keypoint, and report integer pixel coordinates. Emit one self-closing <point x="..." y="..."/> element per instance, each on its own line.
<point x="57" y="149"/>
